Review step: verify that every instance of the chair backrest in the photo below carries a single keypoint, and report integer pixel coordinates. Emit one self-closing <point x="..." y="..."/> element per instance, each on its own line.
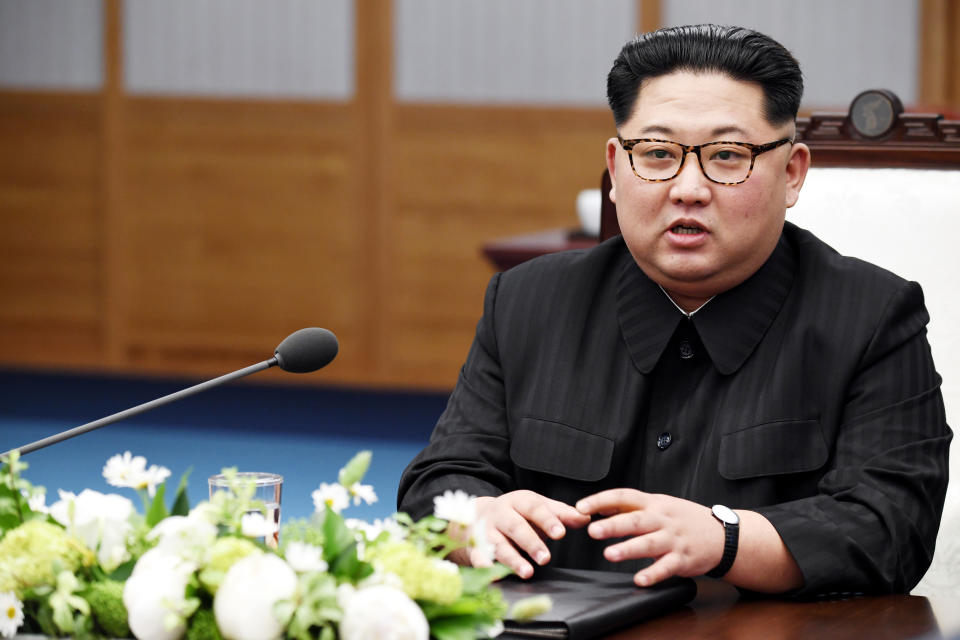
<point x="885" y="187"/>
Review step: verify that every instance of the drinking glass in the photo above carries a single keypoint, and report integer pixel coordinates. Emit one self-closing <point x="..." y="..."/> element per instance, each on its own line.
<point x="268" y="489"/>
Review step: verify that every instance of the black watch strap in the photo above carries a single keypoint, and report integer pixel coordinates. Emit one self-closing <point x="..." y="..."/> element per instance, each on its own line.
<point x="731" y="541"/>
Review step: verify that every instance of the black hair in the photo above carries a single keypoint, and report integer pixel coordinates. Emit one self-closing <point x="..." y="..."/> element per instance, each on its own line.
<point x="740" y="53"/>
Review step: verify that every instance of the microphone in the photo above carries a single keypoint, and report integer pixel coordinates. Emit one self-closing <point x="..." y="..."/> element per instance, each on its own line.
<point x="302" y="351"/>
<point x="306" y="350"/>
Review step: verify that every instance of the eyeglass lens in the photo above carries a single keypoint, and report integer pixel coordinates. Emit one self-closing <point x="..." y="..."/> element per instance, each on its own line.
<point x="721" y="161"/>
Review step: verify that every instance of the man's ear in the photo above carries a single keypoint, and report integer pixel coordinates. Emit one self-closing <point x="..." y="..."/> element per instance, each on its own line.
<point x="796" y="172"/>
<point x="612" y="146"/>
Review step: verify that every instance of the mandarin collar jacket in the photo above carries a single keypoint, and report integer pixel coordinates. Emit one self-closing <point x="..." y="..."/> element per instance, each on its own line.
<point x="812" y="399"/>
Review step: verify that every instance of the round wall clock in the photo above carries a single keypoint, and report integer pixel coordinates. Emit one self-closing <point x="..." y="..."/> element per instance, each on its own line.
<point x="874" y="112"/>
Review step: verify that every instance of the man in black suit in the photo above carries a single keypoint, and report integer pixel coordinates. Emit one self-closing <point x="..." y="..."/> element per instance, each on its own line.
<point x="716" y="390"/>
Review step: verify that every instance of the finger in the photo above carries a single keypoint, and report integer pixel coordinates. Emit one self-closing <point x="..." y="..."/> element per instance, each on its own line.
<point x="457" y="532"/>
<point x="477" y="557"/>
<point x="546" y="515"/>
<point x="612" y="501"/>
<point x="462" y="557"/>
<point x="515" y="528"/>
<point x="631" y="523"/>
<point x="568" y="515"/>
<point x="505" y="553"/>
<point x="665" y="567"/>
<point x="653" y="545"/>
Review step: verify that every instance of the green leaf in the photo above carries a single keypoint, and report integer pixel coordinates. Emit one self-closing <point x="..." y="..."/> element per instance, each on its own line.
<point x="181" y="504"/>
<point x="477" y="579"/>
<point x="454" y="628"/>
<point x="158" y="511"/>
<point x="354" y="471"/>
<point x="326" y="633"/>
<point x="10" y="515"/>
<point x="530" y="608"/>
<point x="336" y="535"/>
<point x="462" y="607"/>
<point x="121" y="573"/>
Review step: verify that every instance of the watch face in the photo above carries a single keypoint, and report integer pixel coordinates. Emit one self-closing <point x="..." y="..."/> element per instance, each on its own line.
<point x="725" y="514"/>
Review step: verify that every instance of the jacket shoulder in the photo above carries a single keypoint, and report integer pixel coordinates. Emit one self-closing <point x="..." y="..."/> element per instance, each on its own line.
<point x="577" y="267"/>
<point x="816" y="259"/>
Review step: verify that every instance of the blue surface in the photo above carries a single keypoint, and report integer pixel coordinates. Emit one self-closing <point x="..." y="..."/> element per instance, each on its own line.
<point x="303" y="433"/>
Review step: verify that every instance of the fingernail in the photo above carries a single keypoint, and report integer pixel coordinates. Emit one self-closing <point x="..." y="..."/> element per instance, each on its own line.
<point x="556" y="531"/>
<point x="644" y="581"/>
<point x="596" y="531"/>
<point x="525" y="572"/>
<point x="543" y="557"/>
<point x="613" y="554"/>
<point x="582" y="505"/>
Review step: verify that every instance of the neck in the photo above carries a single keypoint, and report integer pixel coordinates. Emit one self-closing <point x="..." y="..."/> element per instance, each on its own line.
<point x="687" y="304"/>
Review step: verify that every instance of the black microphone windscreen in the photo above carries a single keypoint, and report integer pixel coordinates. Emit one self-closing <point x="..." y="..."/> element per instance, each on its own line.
<point x="307" y="350"/>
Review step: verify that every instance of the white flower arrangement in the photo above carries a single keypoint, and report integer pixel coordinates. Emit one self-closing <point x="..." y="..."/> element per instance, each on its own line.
<point x="91" y="565"/>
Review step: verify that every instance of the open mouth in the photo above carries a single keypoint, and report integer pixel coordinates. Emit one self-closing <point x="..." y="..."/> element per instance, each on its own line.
<point x="686" y="230"/>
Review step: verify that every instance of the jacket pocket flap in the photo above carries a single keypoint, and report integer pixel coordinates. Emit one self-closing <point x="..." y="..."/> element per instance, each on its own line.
<point x="560" y="450"/>
<point x="774" y="448"/>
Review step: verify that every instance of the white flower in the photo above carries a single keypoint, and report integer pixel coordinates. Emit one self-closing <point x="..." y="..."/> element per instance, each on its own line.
<point x="456" y="507"/>
<point x="385" y="613"/>
<point x="244" y="602"/>
<point x="362" y="492"/>
<point x="378" y="577"/>
<point x="11" y="614"/>
<point x="185" y="537"/>
<point x="205" y="511"/>
<point x="101" y="521"/>
<point x="303" y="557"/>
<point x="37" y="502"/>
<point x="367" y="529"/>
<point x="131" y="471"/>
<point x="152" y="478"/>
<point x="391" y="526"/>
<point x="334" y="496"/>
<point x="491" y="631"/>
<point x="254" y="525"/>
<point x="155" y="596"/>
<point x="480" y="544"/>
<point x="123" y="470"/>
<point x="345" y="593"/>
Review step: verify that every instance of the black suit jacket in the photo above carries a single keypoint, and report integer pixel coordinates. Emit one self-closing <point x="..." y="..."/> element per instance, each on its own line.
<point x="819" y="406"/>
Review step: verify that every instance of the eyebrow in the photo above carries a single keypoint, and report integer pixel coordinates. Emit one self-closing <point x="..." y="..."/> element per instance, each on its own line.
<point x="667" y="131"/>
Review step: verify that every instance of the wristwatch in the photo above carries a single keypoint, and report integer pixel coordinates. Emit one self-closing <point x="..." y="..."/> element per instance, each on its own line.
<point x="731" y="530"/>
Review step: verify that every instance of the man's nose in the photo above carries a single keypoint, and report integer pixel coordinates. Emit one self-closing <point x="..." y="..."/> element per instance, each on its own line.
<point x="690" y="186"/>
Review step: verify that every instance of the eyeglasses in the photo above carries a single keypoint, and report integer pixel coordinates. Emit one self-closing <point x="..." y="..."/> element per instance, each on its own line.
<point x="722" y="162"/>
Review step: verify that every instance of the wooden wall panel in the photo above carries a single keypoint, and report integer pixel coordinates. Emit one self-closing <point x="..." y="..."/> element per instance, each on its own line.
<point x="50" y="282"/>
<point x="239" y="228"/>
<point x="188" y="236"/>
<point x="461" y="176"/>
<point x="940" y="54"/>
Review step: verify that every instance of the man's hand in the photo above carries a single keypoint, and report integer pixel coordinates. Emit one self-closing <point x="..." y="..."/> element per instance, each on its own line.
<point x="686" y="540"/>
<point x="683" y="536"/>
<point x="516" y="520"/>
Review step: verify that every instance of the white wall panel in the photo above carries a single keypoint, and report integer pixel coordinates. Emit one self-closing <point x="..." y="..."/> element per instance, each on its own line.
<point x="51" y="44"/>
<point x="280" y="48"/>
<point x="843" y="47"/>
<point x="508" y="51"/>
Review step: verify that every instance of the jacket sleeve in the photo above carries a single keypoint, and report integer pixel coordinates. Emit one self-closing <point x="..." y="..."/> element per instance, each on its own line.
<point x="469" y="447"/>
<point x="873" y="524"/>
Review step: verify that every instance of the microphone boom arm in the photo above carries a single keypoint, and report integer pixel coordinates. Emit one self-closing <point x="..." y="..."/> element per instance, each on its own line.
<point x="146" y="406"/>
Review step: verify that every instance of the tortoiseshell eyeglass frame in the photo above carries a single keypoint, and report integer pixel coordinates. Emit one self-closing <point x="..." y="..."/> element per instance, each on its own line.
<point x="755" y="150"/>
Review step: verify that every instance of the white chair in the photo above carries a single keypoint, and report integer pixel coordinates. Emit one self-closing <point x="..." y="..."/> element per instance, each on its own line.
<point x="906" y="219"/>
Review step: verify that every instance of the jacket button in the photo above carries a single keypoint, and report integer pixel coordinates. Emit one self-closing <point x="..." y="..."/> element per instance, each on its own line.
<point x="686" y="350"/>
<point x="664" y="441"/>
